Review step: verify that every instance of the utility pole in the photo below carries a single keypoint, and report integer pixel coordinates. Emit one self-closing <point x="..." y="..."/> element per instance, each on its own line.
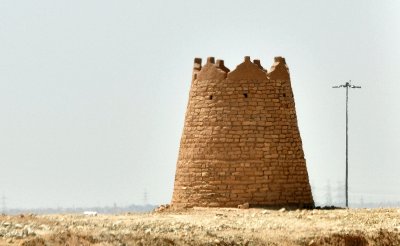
<point x="347" y="85"/>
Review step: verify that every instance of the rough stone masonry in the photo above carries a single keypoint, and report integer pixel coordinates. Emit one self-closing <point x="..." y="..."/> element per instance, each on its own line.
<point x="241" y="142"/>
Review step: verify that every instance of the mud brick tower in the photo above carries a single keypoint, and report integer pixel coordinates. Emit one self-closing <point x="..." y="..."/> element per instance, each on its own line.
<point x="241" y="142"/>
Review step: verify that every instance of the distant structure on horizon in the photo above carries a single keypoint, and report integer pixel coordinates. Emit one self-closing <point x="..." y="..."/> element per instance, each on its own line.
<point x="241" y="142"/>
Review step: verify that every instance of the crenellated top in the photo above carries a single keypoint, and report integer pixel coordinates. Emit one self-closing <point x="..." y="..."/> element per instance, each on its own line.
<point x="279" y="70"/>
<point x="246" y="70"/>
<point x="212" y="70"/>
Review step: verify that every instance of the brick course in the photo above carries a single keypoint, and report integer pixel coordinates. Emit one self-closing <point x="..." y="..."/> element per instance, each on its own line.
<point x="241" y="142"/>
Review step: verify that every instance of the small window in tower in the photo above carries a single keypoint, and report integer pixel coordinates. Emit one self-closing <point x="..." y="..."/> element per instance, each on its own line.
<point x="284" y="94"/>
<point x="210" y="97"/>
<point x="245" y="95"/>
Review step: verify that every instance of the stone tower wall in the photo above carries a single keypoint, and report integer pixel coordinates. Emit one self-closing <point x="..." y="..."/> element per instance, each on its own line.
<point x="240" y="141"/>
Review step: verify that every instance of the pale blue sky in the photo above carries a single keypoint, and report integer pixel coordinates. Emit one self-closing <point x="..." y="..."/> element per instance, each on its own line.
<point x="93" y="93"/>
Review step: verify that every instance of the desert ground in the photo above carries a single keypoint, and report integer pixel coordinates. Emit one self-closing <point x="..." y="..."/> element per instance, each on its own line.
<point x="207" y="226"/>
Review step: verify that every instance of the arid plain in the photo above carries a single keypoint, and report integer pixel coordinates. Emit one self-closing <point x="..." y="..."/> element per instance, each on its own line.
<point x="207" y="226"/>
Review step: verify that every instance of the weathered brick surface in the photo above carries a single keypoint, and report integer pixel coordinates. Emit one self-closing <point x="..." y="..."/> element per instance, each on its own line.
<point x="240" y="141"/>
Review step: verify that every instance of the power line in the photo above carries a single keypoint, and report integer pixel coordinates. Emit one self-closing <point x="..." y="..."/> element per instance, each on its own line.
<point x="347" y="85"/>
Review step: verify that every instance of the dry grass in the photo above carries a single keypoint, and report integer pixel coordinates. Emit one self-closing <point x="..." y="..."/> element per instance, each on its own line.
<point x="206" y="226"/>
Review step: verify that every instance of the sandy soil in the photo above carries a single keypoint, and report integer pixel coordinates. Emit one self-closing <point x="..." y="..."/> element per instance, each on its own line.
<point x="208" y="226"/>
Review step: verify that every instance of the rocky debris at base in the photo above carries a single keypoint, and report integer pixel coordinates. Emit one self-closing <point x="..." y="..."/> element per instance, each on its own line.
<point x="162" y="208"/>
<point x="244" y="206"/>
<point x="208" y="226"/>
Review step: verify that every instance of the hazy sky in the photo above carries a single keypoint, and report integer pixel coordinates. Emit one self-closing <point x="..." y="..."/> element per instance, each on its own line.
<point x="93" y="93"/>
